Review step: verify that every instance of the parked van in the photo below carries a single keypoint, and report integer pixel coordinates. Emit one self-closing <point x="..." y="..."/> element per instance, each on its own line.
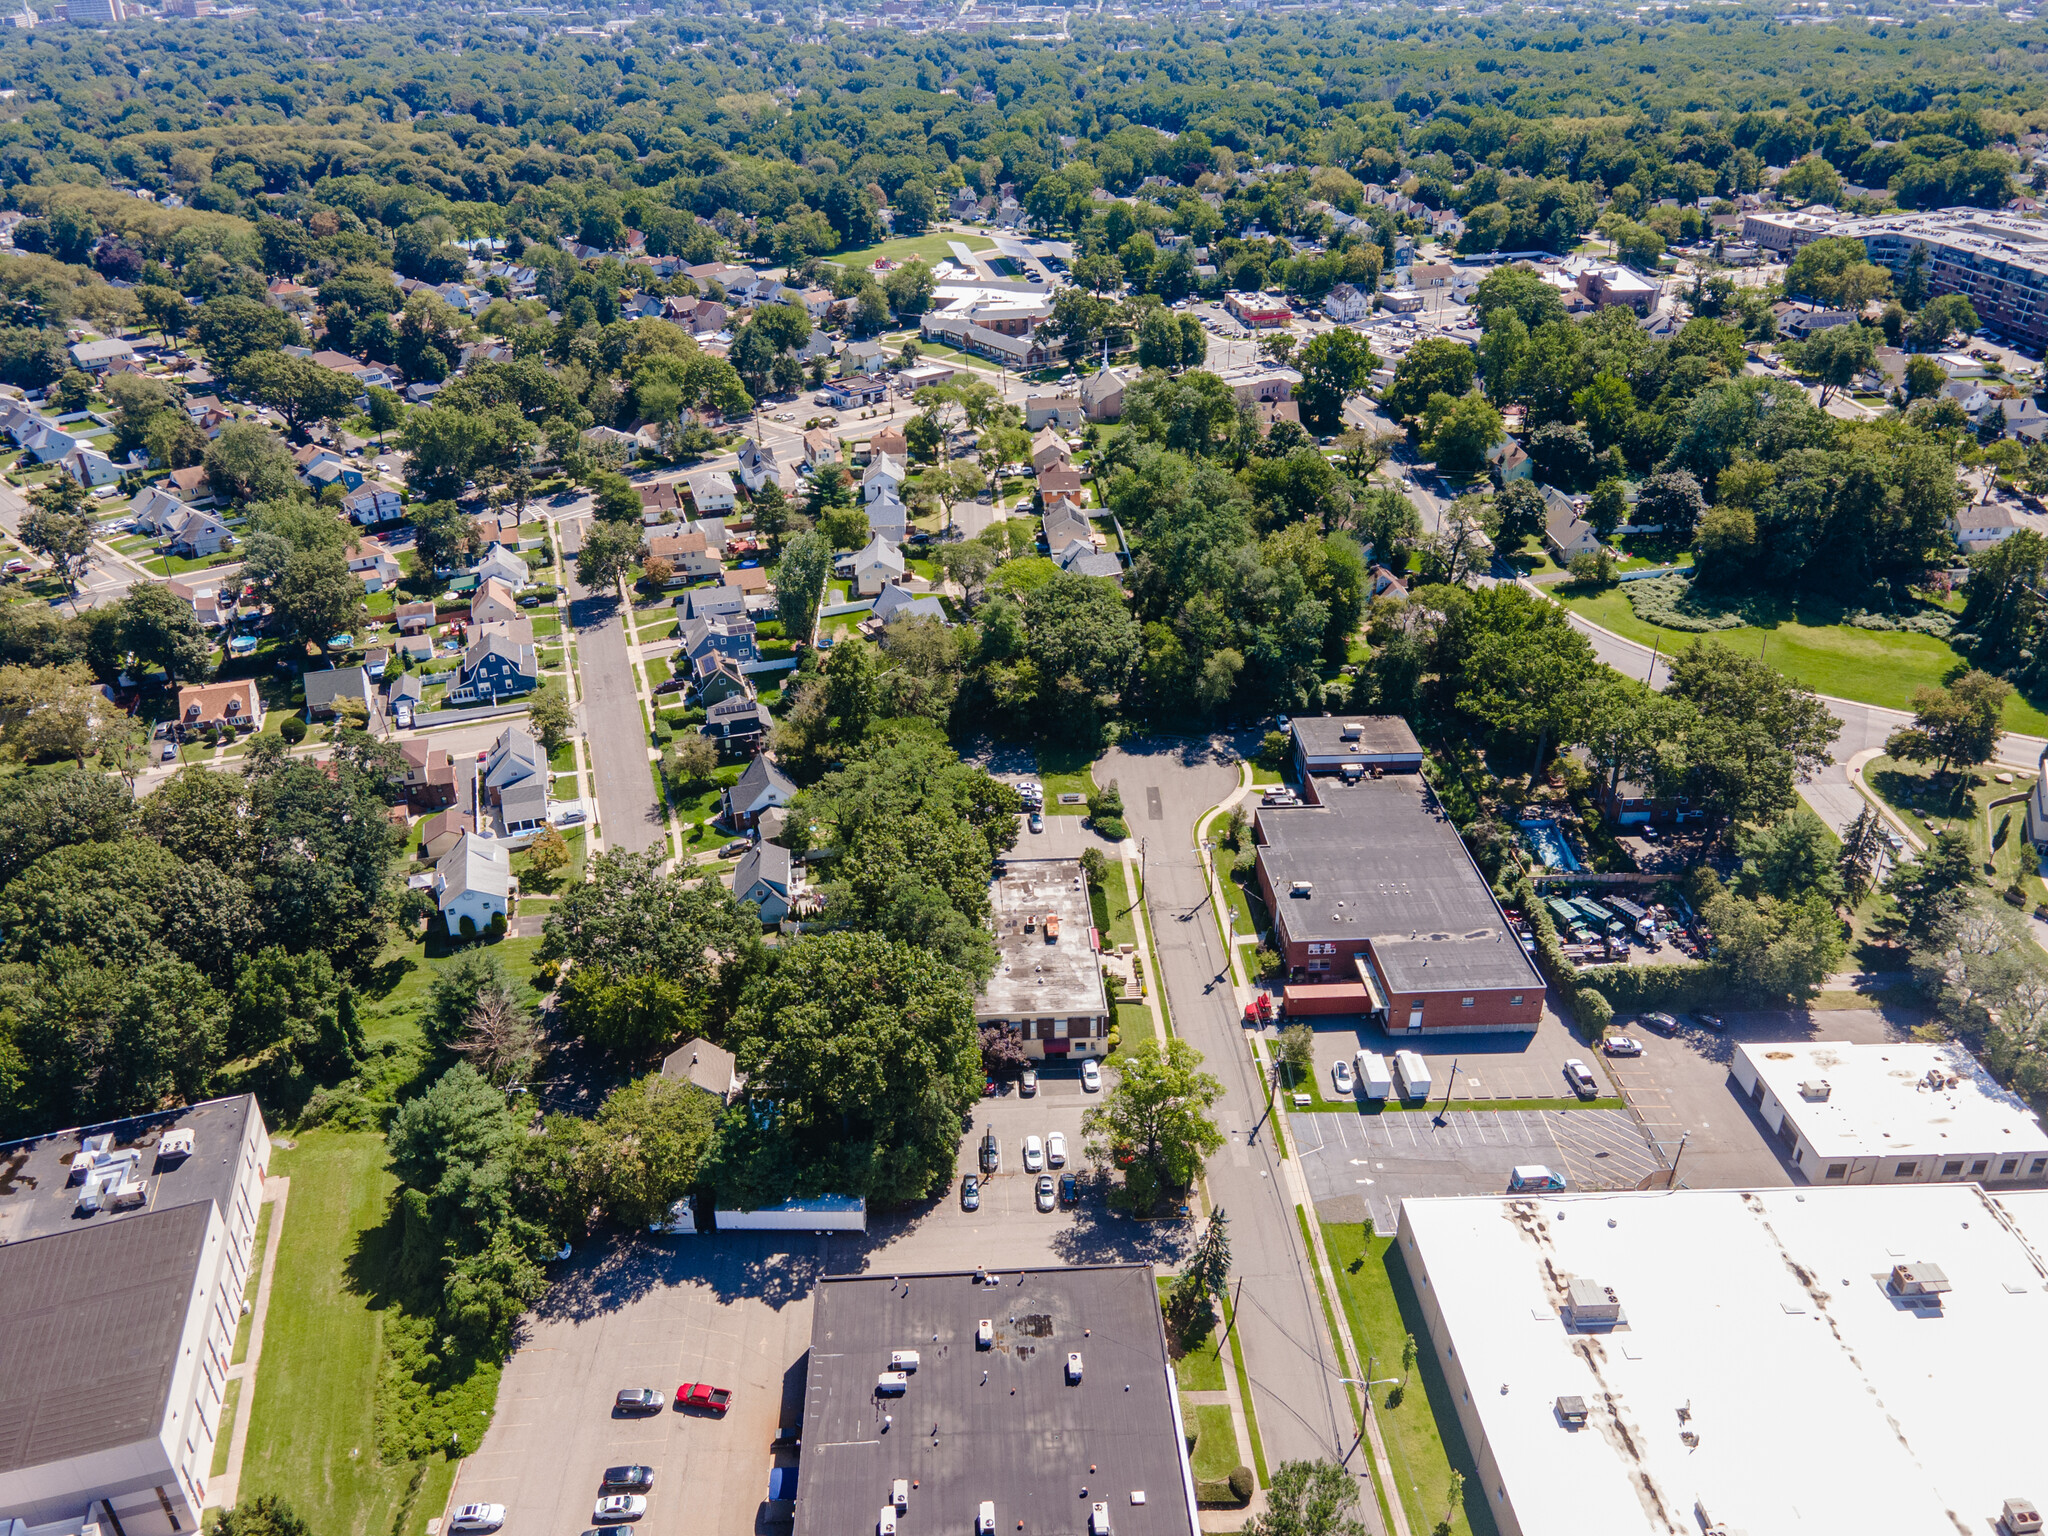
<point x="1534" y="1176"/>
<point x="1414" y="1075"/>
<point x="1374" y="1080"/>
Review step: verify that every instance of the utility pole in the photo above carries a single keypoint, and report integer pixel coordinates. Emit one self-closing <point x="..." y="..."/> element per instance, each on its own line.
<point x="1449" y="1082"/>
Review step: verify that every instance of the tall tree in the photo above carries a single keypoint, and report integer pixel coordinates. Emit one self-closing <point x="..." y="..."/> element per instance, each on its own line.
<point x="1155" y="1122"/>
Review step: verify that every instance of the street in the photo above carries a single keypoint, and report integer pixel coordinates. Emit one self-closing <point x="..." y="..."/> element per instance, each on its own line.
<point x="629" y="811"/>
<point x="1294" y="1370"/>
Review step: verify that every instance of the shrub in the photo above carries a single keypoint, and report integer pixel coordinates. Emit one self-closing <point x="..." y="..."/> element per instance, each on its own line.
<point x="1267" y="961"/>
<point x="1672" y="602"/>
<point x="293" y="730"/>
<point x="1241" y="1484"/>
<point x="1111" y="827"/>
<point x="1095" y="866"/>
<point x="1274" y="750"/>
<point x="1594" y="1012"/>
<point x="468" y="929"/>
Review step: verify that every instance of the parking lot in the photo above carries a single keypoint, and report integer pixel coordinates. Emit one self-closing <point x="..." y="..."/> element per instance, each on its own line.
<point x="1492" y="1066"/>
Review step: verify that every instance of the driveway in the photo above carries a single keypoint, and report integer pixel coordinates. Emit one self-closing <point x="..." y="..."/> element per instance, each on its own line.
<point x="1293" y="1366"/>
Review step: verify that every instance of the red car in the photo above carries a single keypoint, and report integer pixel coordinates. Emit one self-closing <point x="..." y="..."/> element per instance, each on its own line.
<point x="701" y="1394"/>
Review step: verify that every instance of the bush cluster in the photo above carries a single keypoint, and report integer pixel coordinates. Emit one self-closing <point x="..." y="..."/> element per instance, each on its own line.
<point x="1671" y="602"/>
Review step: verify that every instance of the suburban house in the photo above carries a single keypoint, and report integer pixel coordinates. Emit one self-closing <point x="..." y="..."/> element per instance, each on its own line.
<point x="731" y="636"/>
<point x="896" y="602"/>
<point x="760" y="466"/>
<point x="99" y="356"/>
<point x="414" y="618"/>
<point x="89" y="467"/>
<point x="494" y="668"/>
<point x="473" y="883"/>
<point x="1983" y="524"/>
<point x="372" y="502"/>
<point x="746" y="579"/>
<point x="326" y="691"/>
<point x="153" y="508"/>
<point x="820" y="447"/>
<point x="722" y="680"/>
<point x="762" y="787"/>
<point x="523" y="807"/>
<point x="1345" y="303"/>
<point x="501" y="564"/>
<point x="738" y="724"/>
<point x="1061" y="411"/>
<point x="885" y="476"/>
<point x="1048" y="449"/>
<point x="855" y="390"/>
<point x="767" y="876"/>
<point x="514" y="758"/>
<point x="712" y="603"/>
<point x="1081" y="559"/>
<point x="1510" y="461"/>
<point x="1060" y="479"/>
<point x="429" y="773"/>
<point x="1063" y="526"/>
<point x="712" y="491"/>
<point x="889" y="517"/>
<point x="687" y="550"/>
<point x="860" y="357"/>
<point x="704" y="1065"/>
<point x="190" y="486"/>
<point x="1102" y="394"/>
<point x="212" y="594"/>
<point x="889" y="440"/>
<point x="492" y="603"/>
<point x="877" y="566"/>
<point x="376" y="566"/>
<point x="442" y="831"/>
<point x="1566" y="533"/>
<point x="193" y="535"/>
<point x="236" y="704"/>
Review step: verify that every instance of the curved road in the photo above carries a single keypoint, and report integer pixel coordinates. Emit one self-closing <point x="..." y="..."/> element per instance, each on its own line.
<point x="1167" y="784"/>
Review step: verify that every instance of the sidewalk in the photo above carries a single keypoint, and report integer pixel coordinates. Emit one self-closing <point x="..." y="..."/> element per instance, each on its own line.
<point x="221" y="1491"/>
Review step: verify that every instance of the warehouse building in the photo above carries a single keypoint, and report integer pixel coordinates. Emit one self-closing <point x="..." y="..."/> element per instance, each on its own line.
<point x="1891" y="1114"/>
<point x="1043" y="1399"/>
<point x="125" y="1250"/>
<point x="1775" y="1362"/>
<point x="1377" y="907"/>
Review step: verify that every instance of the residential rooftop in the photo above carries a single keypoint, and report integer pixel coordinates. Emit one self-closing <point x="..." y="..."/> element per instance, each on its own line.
<point x="1034" y="978"/>
<point x="1746" y="1360"/>
<point x="1003" y="1424"/>
<point x="1902" y="1099"/>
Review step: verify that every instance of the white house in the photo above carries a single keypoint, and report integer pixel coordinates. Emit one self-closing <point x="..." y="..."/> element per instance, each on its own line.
<point x="89" y="467"/>
<point x="712" y="491"/>
<point x="877" y="566"/>
<point x="1345" y="303"/>
<point x="195" y="535"/>
<point x="500" y="564"/>
<point x="885" y="476"/>
<point x="514" y="758"/>
<point x="371" y="503"/>
<point x="473" y="881"/>
<point x="760" y="466"/>
<point x="1983" y="524"/>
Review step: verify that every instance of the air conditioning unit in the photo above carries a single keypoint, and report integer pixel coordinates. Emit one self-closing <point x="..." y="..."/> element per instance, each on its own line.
<point x="1302" y="888"/>
<point x="1920" y="1280"/>
<point x="903" y="1360"/>
<point x="1571" y="1411"/>
<point x="2020" y="1518"/>
<point x="1588" y="1303"/>
<point x="1817" y="1089"/>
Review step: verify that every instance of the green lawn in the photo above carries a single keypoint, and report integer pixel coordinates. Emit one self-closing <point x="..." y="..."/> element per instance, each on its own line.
<point x="313" y="1430"/>
<point x="230" y="1402"/>
<point x="659" y="670"/>
<point x="1134" y="1026"/>
<point x="248" y="1318"/>
<point x="563" y="758"/>
<point x="1064" y="771"/>
<point x="1931" y="808"/>
<point x="1216" y="1451"/>
<point x="698" y="808"/>
<point x="933" y="248"/>
<point x="1111" y="904"/>
<point x="1424" y="1439"/>
<point x="1198" y="1354"/>
<point x="1869" y="666"/>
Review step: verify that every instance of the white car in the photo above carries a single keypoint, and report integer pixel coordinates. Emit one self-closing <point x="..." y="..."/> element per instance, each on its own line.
<point x="620" y="1506"/>
<point x="478" y="1517"/>
<point x="1056" y="1150"/>
<point x="1340" y="1074"/>
<point x="1091" y="1077"/>
<point x="1034" y="1155"/>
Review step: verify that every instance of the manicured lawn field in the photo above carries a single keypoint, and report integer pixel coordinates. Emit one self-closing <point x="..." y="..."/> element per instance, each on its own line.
<point x="312" y="1431"/>
<point x="1112" y="908"/>
<point x="1424" y="1440"/>
<point x="700" y="807"/>
<point x="1064" y="772"/>
<point x="1198" y="1363"/>
<point x="933" y="248"/>
<point x="1869" y="666"/>
<point x="1134" y="1026"/>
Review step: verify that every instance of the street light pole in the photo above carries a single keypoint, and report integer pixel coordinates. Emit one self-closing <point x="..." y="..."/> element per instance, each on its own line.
<point x="1449" y="1083"/>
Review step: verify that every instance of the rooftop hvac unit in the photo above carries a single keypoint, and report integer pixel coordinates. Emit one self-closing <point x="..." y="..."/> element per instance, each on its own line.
<point x="1354" y="732"/>
<point x="885" y="1522"/>
<point x="903" y="1360"/>
<point x="984" y="1333"/>
<point x="1920" y="1280"/>
<point x="892" y="1384"/>
<point x="1571" y="1411"/>
<point x="1302" y="888"/>
<point x="1590" y="1303"/>
<point x="1098" y="1520"/>
<point x="1074" y="1367"/>
<point x="1816" y="1088"/>
<point x="985" y="1518"/>
<point x="175" y="1144"/>
<point x="899" y="1494"/>
<point x="2020" y="1517"/>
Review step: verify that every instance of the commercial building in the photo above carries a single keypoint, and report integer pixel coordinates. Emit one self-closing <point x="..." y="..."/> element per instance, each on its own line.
<point x="1997" y="261"/>
<point x="125" y="1250"/>
<point x="1047" y="988"/>
<point x="1891" y="1114"/>
<point x="1777" y="1362"/>
<point x="1377" y="906"/>
<point x="1786" y="231"/>
<point x="1044" y="1397"/>
<point x="1258" y="311"/>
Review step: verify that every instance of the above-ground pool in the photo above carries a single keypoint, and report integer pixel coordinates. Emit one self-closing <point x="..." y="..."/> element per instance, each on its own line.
<point x="1546" y="840"/>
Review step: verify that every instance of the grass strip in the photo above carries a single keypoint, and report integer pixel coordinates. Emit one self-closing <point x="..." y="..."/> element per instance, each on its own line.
<point x="1330" y="1322"/>
<point x="230" y="1401"/>
<point x="256" y="1252"/>
<point x="1244" y="1393"/>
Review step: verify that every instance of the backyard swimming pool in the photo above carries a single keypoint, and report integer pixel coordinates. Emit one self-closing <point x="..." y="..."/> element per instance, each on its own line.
<point x="1546" y="840"/>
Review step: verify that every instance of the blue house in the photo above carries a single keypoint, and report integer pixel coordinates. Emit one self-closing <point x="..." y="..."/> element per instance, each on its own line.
<point x="496" y="667"/>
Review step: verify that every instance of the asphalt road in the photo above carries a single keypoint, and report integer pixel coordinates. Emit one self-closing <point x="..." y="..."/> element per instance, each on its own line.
<point x="627" y="808"/>
<point x="1292" y="1365"/>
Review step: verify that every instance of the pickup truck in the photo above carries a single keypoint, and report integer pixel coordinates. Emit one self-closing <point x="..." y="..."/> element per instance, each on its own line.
<point x="700" y="1394"/>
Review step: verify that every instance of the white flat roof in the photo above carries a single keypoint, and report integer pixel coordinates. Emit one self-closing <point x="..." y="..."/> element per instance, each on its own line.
<point x="1759" y="1323"/>
<point x="1880" y="1101"/>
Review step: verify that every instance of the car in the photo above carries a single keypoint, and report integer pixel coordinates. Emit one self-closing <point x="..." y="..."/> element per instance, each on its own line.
<point x="531" y="600"/>
<point x="632" y="1477"/>
<point x="1070" y="1190"/>
<point x="991" y="1153"/>
<point x="18" y="567"/>
<point x="1046" y="1197"/>
<point x="970" y="1193"/>
<point x="1056" y="1150"/>
<point x="640" y="1400"/>
<point x="1034" y="1155"/>
<point x="736" y="847"/>
<point x="477" y="1517"/>
<point x="1091" y="1077"/>
<point x="1584" y="1084"/>
<point x="1712" y="1021"/>
<point x="169" y="753"/>
<point x="701" y="1394"/>
<point x="1621" y="1045"/>
<point x="1340" y="1074"/>
<point x="620" y="1506"/>
<point x="1027" y="1085"/>
<point x="1037" y="822"/>
<point x="1662" y="1023"/>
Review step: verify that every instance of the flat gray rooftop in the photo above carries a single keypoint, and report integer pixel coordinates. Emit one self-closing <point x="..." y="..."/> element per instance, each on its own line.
<point x="1386" y="866"/>
<point x="90" y="1340"/>
<point x="38" y="1199"/>
<point x="1378" y="736"/>
<point x="1000" y="1424"/>
<point x="1033" y="978"/>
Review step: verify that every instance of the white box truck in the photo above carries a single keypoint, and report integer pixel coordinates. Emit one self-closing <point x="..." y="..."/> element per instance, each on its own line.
<point x="816" y="1213"/>
<point x="1414" y="1075"/>
<point x="1374" y="1080"/>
